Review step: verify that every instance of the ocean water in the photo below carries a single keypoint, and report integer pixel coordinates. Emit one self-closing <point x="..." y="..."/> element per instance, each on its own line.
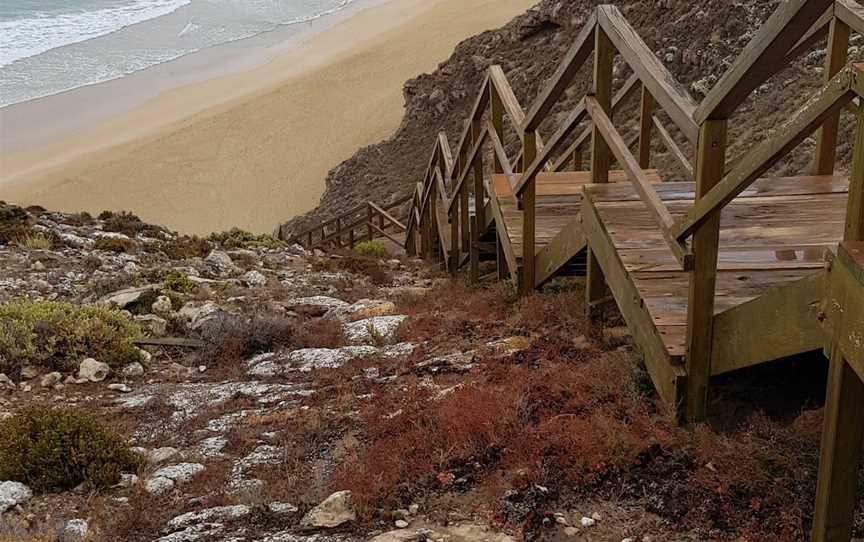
<point x="49" y="46"/>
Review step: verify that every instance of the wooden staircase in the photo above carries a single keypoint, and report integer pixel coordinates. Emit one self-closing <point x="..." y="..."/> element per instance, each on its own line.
<point x="716" y="265"/>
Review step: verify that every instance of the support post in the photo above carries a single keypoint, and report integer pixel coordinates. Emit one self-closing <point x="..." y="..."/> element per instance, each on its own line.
<point x="500" y="259"/>
<point x="840" y="454"/>
<point x="710" y="164"/>
<point x="854" y="230"/>
<point x="497" y="114"/>
<point x="480" y="208"/>
<point x="455" y="251"/>
<point x="464" y="218"/>
<point x="838" y="54"/>
<point x="646" y="124"/>
<point x="351" y="238"/>
<point x="529" y="197"/>
<point x="369" y="212"/>
<point x="604" y="54"/>
<point x="577" y="159"/>
<point x="474" y="269"/>
<point x="595" y="287"/>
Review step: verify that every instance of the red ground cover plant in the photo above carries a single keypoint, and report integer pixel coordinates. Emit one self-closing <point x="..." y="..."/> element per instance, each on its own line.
<point x="576" y="418"/>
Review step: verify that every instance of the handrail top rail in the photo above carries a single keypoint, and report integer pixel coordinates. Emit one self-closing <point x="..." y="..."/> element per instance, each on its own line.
<point x="348" y="214"/>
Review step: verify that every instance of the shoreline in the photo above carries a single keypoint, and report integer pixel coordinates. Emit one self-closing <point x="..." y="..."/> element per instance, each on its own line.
<point x="252" y="148"/>
<point x="123" y="94"/>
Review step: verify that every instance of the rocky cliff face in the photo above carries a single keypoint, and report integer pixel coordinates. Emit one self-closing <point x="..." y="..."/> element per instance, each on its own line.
<point x="697" y="41"/>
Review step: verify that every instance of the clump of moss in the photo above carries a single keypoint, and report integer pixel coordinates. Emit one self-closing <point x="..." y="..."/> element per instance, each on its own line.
<point x="237" y="238"/>
<point x="57" y="336"/>
<point x="110" y="244"/>
<point x="59" y="449"/>
<point x="14" y="223"/>
<point x="186" y="247"/>
<point x="373" y="248"/>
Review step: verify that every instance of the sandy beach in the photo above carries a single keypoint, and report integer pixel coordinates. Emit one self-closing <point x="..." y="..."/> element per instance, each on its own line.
<point x="247" y="149"/>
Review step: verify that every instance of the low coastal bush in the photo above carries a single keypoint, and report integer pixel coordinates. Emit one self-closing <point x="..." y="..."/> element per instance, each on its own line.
<point x="185" y="247"/>
<point x="127" y="224"/>
<point x="375" y="249"/>
<point x="179" y="282"/>
<point x="237" y="238"/>
<point x="59" y="449"/>
<point x="14" y="223"/>
<point x="110" y="244"/>
<point x="56" y="336"/>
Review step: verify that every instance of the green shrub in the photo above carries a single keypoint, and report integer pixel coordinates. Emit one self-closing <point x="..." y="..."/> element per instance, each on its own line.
<point x="57" y="336"/>
<point x="372" y="248"/>
<point x="58" y="449"/>
<point x="177" y="281"/>
<point x="237" y="238"/>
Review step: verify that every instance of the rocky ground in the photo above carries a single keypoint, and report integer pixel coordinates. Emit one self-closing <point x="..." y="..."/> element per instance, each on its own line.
<point x="294" y="397"/>
<point x="696" y="41"/>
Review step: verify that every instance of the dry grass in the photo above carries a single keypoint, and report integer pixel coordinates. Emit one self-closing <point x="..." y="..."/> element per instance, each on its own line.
<point x="35" y="241"/>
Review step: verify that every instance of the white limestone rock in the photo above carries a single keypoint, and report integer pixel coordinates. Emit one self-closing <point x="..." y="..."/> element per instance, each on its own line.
<point x="373" y="330"/>
<point x="336" y="510"/>
<point x="93" y="371"/>
<point x="12" y="494"/>
<point x="166" y="478"/>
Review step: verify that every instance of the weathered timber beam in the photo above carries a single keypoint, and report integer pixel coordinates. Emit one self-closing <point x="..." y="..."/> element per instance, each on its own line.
<point x="665" y="89"/>
<point x="564" y="130"/>
<point x="501" y="229"/>
<point x="508" y="99"/>
<point x="617" y="103"/>
<point x="575" y="59"/>
<point x="831" y="98"/>
<point x="638" y="179"/>
<point x="761" y="58"/>
<point x="498" y="148"/>
<point x="388" y="216"/>
<point x="484" y="133"/>
<point x="851" y="13"/>
<point x="673" y="148"/>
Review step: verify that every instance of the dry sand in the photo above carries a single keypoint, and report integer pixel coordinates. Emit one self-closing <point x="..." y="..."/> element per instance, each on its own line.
<point x="252" y="149"/>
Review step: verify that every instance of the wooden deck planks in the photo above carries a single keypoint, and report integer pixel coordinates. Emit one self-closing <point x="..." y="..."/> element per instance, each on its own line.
<point x="558" y="203"/>
<point x="773" y="235"/>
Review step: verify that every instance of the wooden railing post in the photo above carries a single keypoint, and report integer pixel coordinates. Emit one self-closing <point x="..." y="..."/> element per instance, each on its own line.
<point x="604" y="54"/>
<point x="646" y="124"/>
<point x="528" y="201"/>
<point x="838" y="53"/>
<point x="369" y="211"/>
<point x="465" y="225"/>
<point x="710" y="164"/>
<point x="480" y="208"/>
<point x="474" y="269"/>
<point x="455" y="247"/>
<point x="497" y="116"/>
<point x="601" y="156"/>
<point x="854" y="230"/>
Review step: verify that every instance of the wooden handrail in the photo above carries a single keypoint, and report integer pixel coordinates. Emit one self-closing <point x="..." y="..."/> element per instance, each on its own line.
<point x="572" y="63"/>
<point x="344" y="229"/>
<point x="830" y="99"/>
<point x="638" y="179"/>
<point x="768" y="49"/>
<point x="663" y="87"/>
<point x="498" y="149"/>
<point x="388" y="216"/>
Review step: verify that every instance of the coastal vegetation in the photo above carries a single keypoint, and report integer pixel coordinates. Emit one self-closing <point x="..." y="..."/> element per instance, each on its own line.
<point x="58" y="449"/>
<point x="55" y="336"/>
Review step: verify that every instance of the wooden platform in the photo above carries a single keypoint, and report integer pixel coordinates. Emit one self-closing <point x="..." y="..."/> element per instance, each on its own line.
<point x="772" y="241"/>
